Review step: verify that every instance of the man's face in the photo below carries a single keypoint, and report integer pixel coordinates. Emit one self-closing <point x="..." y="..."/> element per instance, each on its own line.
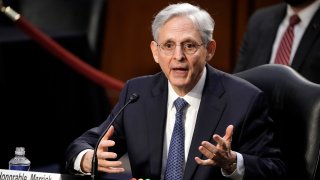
<point x="181" y="68"/>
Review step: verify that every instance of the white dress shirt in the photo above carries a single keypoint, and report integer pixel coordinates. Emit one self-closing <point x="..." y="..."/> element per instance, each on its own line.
<point x="193" y="98"/>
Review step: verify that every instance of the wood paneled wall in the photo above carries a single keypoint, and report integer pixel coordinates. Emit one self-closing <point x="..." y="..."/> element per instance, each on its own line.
<point x="127" y="38"/>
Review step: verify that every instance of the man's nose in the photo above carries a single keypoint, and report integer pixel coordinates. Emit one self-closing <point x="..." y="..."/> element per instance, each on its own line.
<point x="178" y="53"/>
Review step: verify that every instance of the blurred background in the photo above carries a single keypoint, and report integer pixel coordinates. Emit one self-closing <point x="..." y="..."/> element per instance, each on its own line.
<point x="45" y="104"/>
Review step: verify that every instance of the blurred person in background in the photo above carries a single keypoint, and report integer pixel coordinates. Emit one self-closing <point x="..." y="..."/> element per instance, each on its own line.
<point x="267" y="26"/>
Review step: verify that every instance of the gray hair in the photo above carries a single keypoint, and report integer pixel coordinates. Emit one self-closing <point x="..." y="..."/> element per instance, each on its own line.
<point x="200" y="18"/>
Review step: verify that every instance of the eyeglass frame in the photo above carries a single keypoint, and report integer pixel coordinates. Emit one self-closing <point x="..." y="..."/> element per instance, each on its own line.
<point x="197" y="47"/>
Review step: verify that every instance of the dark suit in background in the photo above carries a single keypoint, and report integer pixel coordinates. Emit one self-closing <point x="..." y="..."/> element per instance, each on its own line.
<point x="261" y="32"/>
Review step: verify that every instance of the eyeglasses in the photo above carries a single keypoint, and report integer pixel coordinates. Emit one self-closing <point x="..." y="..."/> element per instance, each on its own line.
<point x="189" y="48"/>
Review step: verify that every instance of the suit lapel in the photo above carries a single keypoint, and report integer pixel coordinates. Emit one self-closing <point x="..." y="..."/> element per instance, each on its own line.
<point x="310" y="36"/>
<point x="210" y="111"/>
<point x="156" y="117"/>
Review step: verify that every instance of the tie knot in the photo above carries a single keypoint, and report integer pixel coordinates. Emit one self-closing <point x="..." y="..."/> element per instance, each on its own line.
<point x="180" y="104"/>
<point x="294" y="19"/>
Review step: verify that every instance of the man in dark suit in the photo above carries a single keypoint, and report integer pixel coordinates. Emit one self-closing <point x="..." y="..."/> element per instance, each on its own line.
<point x="227" y="133"/>
<point x="265" y="29"/>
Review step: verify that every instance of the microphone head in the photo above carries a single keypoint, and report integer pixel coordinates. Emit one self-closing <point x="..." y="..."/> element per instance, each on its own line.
<point x="134" y="97"/>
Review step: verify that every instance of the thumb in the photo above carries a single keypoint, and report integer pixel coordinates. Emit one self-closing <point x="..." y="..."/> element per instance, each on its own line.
<point x="109" y="133"/>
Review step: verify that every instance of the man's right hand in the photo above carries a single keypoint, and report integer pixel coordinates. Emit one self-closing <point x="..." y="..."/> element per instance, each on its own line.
<point x="105" y="163"/>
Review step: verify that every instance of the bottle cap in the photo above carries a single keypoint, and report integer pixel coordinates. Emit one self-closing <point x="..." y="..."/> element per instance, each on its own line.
<point x="20" y="151"/>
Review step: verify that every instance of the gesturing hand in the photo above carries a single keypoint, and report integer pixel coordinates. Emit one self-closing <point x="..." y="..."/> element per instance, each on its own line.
<point x="105" y="163"/>
<point x="221" y="154"/>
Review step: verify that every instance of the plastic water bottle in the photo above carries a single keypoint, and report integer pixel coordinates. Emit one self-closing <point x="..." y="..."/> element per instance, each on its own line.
<point x="19" y="161"/>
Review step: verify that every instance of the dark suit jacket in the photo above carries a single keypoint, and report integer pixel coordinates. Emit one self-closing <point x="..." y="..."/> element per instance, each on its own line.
<point x="226" y="100"/>
<point x="257" y="45"/>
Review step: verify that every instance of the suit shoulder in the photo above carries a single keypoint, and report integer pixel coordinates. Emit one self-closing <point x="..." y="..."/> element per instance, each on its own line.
<point x="238" y="84"/>
<point x="145" y="78"/>
<point x="230" y="82"/>
<point x="269" y="11"/>
<point x="147" y="81"/>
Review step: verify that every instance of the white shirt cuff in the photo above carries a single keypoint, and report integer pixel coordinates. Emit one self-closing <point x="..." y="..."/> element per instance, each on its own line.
<point x="238" y="173"/>
<point x="77" y="162"/>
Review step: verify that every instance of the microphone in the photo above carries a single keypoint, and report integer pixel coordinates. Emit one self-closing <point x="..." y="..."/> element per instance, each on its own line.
<point x="133" y="98"/>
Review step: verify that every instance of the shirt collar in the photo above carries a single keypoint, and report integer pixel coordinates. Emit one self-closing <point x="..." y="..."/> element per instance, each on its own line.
<point x="305" y="14"/>
<point x="193" y="97"/>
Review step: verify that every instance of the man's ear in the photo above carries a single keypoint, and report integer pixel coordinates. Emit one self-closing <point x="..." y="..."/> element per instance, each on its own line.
<point x="154" y="50"/>
<point x="211" y="49"/>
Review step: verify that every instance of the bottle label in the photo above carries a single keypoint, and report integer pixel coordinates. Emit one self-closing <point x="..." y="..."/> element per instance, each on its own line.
<point x="19" y="167"/>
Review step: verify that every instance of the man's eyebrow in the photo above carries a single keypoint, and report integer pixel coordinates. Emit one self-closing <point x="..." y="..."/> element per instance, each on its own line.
<point x="168" y="40"/>
<point x="184" y="41"/>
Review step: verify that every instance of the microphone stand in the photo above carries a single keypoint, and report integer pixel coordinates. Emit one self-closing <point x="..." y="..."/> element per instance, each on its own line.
<point x="133" y="98"/>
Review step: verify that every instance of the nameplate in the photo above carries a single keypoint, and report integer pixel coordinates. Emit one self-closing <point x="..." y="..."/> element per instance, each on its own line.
<point x="32" y="175"/>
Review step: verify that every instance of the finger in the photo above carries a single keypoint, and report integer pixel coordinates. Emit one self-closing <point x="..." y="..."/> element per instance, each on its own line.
<point x="220" y="141"/>
<point x="107" y="143"/>
<point x="204" y="162"/>
<point x="228" y="138"/>
<point x="111" y="166"/>
<point x="208" y="146"/>
<point x="103" y="152"/>
<point x="210" y="154"/>
<point x="225" y="142"/>
<point x="103" y="146"/>
<point x="109" y="133"/>
<point x="222" y="145"/>
<point x="108" y="163"/>
<point x="111" y="170"/>
<point x="107" y="155"/>
<point x="229" y="133"/>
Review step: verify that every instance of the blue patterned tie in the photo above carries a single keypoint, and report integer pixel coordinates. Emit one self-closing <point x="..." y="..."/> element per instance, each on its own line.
<point x="175" y="162"/>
